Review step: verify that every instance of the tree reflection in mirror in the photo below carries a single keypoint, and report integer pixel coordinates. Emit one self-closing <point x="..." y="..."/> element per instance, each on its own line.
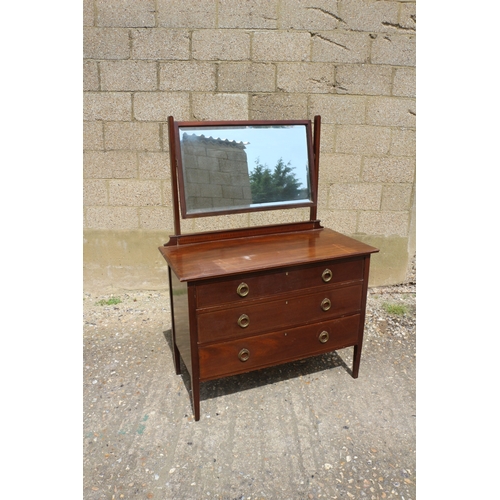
<point x="278" y="185"/>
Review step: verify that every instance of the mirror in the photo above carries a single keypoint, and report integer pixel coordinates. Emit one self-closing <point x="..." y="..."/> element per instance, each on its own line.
<point x="244" y="166"/>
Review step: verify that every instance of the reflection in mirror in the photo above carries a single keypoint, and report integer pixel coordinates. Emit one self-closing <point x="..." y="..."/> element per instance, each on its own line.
<point x="244" y="167"/>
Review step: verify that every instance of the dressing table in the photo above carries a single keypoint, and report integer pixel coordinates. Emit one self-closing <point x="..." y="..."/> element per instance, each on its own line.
<point x="253" y="297"/>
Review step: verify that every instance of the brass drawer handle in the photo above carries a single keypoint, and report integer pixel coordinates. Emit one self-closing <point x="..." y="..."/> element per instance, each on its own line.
<point x="326" y="304"/>
<point x="243" y="289"/>
<point x="323" y="337"/>
<point x="243" y="321"/>
<point x="244" y="355"/>
<point x="327" y="275"/>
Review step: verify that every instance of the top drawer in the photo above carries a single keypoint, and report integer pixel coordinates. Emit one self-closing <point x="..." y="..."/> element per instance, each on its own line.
<point x="252" y="286"/>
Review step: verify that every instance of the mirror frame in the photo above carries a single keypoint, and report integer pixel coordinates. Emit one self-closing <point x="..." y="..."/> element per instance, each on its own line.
<point x="178" y="188"/>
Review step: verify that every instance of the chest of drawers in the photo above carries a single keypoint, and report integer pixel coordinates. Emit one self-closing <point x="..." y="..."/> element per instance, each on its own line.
<point x="245" y="302"/>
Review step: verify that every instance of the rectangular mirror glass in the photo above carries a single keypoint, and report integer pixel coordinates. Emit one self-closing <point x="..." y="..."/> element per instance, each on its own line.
<point x="244" y="167"/>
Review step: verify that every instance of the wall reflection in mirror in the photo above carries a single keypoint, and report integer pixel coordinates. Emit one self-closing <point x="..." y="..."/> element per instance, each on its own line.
<point x="228" y="168"/>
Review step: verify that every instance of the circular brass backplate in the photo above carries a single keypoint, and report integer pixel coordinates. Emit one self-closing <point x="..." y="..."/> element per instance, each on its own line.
<point x="323" y="337"/>
<point x="243" y="355"/>
<point x="326" y="304"/>
<point x="243" y="321"/>
<point x="327" y="275"/>
<point x="243" y="289"/>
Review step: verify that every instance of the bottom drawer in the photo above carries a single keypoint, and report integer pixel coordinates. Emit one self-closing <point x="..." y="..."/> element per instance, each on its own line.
<point x="252" y="353"/>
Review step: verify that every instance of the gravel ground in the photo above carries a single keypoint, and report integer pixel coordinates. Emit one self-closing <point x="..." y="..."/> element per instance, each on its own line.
<point x="304" y="430"/>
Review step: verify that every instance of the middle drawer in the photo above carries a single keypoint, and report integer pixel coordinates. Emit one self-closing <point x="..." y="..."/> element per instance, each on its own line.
<point x="270" y="315"/>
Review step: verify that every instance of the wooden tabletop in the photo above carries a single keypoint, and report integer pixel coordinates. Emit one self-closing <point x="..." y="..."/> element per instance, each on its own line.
<point x="246" y="254"/>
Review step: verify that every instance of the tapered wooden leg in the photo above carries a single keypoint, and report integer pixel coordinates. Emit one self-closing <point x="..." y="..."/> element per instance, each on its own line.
<point x="356" y="360"/>
<point x="195" y="389"/>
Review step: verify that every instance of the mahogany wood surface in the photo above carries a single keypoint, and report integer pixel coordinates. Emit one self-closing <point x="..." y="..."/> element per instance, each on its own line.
<point x="210" y="293"/>
<point x="359" y="344"/>
<point x="243" y="255"/>
<point x="173" y="175"/>
<point x="181" y="321"/>
<point x="317" y="129"/>
<point x="242" y="232"/>
<point x="220" y="360"/>
<point x="271" y="315"/>
<point x="175" y="350"/>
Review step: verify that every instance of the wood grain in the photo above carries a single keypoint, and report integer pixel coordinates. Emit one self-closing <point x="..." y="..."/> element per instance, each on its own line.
<point x="248" y="254"/>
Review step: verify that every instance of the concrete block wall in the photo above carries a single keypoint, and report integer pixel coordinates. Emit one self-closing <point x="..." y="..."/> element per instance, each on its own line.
<point x="351" y="61"/>
<point x="225" y="183"/>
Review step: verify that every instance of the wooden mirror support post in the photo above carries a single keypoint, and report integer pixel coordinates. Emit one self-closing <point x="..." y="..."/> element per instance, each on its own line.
<point x="254" y="297"/>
